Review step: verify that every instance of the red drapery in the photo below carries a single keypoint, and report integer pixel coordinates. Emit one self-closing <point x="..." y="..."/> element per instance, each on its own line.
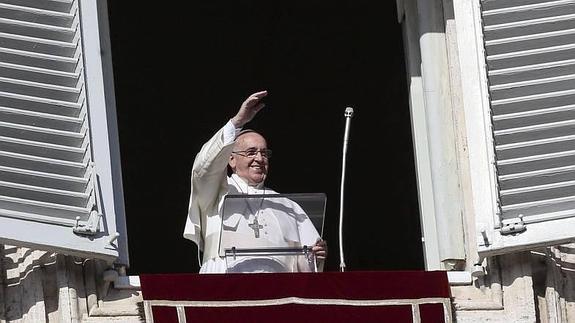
<point x="301" y="297"/>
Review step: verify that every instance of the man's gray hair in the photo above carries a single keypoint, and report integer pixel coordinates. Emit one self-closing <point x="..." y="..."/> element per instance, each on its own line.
<point x="244" y="131"/>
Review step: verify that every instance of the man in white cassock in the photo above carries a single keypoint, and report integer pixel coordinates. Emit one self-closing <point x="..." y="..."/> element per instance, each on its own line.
<point x="247" y="154"/>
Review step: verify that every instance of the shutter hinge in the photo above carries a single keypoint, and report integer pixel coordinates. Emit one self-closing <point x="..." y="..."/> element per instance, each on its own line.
<point x="91" y="227"/>
<point x="513" y="226"/>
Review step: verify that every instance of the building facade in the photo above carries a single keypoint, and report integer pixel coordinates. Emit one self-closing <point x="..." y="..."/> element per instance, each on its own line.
<point x="492" y="99"/>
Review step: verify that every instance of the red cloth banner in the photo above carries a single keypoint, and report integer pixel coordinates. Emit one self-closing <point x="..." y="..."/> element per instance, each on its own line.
<point x="406" y="296"/>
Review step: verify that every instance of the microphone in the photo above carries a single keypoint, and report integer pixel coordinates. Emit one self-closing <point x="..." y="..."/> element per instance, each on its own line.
<point x="348" y="114"/>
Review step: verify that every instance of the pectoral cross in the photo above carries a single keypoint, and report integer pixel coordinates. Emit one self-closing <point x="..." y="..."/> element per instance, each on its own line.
<point x="256" y="227"/>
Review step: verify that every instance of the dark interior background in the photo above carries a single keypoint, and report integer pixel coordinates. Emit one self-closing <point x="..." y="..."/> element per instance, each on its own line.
<point x="182" y="70"/>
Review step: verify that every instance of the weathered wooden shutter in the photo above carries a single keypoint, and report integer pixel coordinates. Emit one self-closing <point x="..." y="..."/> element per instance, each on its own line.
<point x="530" y="59"/>
<point x="49" y="186"/>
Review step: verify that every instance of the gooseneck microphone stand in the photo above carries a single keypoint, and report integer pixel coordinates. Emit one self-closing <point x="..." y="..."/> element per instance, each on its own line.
<point x="348" y="114"/>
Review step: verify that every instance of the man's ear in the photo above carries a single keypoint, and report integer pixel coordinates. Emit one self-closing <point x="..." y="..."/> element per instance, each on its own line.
<point x="232" y="163"/>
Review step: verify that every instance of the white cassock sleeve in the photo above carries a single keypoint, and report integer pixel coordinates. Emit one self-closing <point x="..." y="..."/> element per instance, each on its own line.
<point x="208" y="186"/>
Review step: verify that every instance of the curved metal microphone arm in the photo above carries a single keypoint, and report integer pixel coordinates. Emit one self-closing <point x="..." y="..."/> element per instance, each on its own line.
<point x="348" y="114"/>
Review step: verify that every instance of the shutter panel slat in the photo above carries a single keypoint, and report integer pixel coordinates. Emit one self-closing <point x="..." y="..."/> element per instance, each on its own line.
<point x="502" y="149"/>
<point x="541" y="163"/>
<point x="32" y="103"/>
<point x="545" y="173"/>
<point x="41" y="211"/>
<point x="533" y="113"/>
<point x="537" y="147"/>
<point x="31" y="216"/>
<point x="48" y="62"/>
<point x="39" y="104"/>
<point x="526" y="127"/>
<point x="41" y="164"/>
<point x="59" y="182"/>
<point x="40" y="149"/>
<point x="529" y="27"/>
<point x="54" y="92"/>
<point x="523" y="27"/>
<point x="533" y="87"/>
<point x="546" y="207"/>
<point x="510" y="187"/>
<point x="527" y="38"/>
<point x="535" y="97"/>
<point x="535" y="10"/>
<point x="39" y="75"/>
<point x="529" y="118"/>
<point x="566" y="68"/>
<point x="498" y="4"/>
<point x="534" y="188"/>
<point x="550" y="81"/>
<point x="40" y="16"/>
<point x="52" y="5"/>
<point x="533" y="158"/>
<point x="523" y="73"/>
<point x="65" y="34"/>
<point x="38" y="45"/>
<point x="546" y="176"/>
<point x="534" y="133"/>
<point x="541" y="104"/>
<point x="530" y="42"/>
<point x="49" y="120"/>
<point x="47" y="135"/>
<point x="43" y="194"/>
<point x="531" y="57"/>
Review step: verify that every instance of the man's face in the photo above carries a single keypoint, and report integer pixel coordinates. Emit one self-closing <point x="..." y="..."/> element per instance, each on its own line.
<point x="252" y="169"/>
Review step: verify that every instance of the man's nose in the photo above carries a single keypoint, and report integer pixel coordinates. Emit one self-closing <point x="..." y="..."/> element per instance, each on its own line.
<point x="259" y="156"/>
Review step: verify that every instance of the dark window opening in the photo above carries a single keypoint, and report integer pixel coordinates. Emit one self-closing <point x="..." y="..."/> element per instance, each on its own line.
<point x="182" y="70"/>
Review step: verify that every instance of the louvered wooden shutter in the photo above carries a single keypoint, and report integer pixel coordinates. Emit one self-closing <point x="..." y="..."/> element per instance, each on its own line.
<point x="530" y="59"/>
<point x="47" y="174"/>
